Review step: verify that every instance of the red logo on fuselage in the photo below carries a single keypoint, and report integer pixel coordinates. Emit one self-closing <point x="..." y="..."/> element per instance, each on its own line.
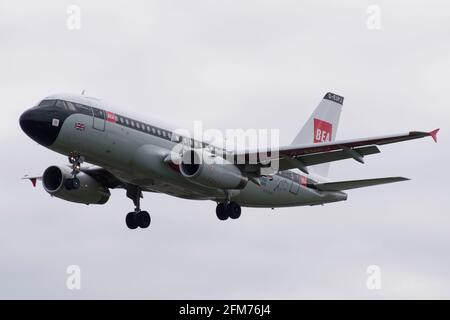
<point x="303" y="180"/>
<point x="322" y="131"/>
<point x="111" y="117"/>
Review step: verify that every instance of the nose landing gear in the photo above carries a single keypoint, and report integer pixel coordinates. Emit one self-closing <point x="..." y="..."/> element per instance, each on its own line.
<point x="74" y="183"/>
<point x="137" y="218"/>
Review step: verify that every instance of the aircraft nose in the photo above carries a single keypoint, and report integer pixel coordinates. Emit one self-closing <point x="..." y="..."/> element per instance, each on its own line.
<point x="39" y="126"/>
<point x="24" y="120"/>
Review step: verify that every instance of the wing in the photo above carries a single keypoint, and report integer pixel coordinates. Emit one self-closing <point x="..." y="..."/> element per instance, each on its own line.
<point x="102" y="175"/>
<point x="303" y="156"/>
<point x="32" y="179"/>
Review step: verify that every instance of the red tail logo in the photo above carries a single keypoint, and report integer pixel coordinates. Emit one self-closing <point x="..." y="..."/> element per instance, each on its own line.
<point x="322" y="131"/>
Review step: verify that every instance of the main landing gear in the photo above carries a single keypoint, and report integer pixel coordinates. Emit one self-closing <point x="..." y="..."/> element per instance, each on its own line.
<point x="74" y="183"/>
<point x="228" y="209"/>
<point x="137" y="218"/>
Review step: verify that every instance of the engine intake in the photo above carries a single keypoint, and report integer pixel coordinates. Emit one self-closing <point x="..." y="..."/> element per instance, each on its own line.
<point x="208" y="170"/>
<point x="90" y="191"/>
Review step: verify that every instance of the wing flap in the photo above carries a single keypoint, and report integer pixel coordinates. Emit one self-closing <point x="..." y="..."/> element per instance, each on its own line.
<point x="353" y="184"/>
<point x="324" y="157"/>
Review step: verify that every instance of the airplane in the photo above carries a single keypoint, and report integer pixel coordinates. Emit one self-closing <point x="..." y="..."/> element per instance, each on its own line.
<point x="137" y="156"/>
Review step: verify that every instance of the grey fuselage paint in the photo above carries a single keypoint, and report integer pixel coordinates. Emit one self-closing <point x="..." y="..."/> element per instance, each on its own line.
<point x="135" y="154"/>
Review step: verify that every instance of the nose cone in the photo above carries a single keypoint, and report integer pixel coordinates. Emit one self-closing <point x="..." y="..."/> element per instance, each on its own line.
<point x="38" y="124"/>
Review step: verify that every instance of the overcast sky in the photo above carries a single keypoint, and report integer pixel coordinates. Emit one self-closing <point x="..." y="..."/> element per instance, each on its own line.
<point x="233" y="64"/>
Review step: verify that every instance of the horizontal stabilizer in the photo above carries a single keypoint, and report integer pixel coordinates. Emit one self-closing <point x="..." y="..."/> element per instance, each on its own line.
<point x="353" y="184"/>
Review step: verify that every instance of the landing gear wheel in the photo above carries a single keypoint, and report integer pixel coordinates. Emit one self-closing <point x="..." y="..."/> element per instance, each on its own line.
<point x="75" y="161"/>
<point x="68" y="184"/>
<point x="143" y="219"/>
<point x="76" y="183"/>
<point x="131" y="220"/>
<point x="221" y="212"/>
<point x="234" y="210"/>
<point x="137" y="218"/>
<point x="72" y="184"/>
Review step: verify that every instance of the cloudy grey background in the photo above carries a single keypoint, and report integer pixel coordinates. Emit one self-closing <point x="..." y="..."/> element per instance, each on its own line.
<point x="233" y="64"/>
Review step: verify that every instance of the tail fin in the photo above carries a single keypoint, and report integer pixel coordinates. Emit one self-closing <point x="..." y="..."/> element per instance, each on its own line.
<point x="322" y="126"/>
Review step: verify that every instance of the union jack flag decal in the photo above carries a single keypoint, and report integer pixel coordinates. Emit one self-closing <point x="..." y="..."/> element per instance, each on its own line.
<point x="80" y="126"/>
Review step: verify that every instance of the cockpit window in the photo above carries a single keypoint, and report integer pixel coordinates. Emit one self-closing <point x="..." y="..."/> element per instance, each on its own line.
<point x="70" y="106"/>
<point x="47" y="103"/>
<point x="60" y="104"/>
<point x="66" y="105"/>
<point x="81" y="108"/>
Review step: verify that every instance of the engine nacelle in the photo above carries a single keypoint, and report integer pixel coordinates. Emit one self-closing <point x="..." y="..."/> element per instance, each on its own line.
<point x="208" y="170"/>
<point x="90" y="191"/>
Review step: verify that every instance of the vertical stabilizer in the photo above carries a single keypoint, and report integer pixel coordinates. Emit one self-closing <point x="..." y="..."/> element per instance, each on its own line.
<point x="322" y="126"/>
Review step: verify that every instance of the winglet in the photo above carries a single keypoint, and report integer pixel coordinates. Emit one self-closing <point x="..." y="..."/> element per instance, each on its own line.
<point x="433" y="134"/>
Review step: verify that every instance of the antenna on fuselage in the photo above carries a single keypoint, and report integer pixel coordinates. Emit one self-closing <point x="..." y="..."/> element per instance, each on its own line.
<point x="82" y="92"/>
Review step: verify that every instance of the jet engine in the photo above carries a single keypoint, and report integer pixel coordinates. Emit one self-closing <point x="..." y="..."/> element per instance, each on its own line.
<point x="89" y="192"/>
<point x="209" y="170"/>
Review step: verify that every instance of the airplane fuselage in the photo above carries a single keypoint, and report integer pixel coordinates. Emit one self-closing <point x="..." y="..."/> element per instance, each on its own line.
<point x="134" y="152"/>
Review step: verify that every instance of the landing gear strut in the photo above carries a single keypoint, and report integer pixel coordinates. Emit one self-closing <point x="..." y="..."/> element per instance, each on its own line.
<point x="230" y="209"/>
<point x="74" y="183"/>
<point x="137" y="218"/>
